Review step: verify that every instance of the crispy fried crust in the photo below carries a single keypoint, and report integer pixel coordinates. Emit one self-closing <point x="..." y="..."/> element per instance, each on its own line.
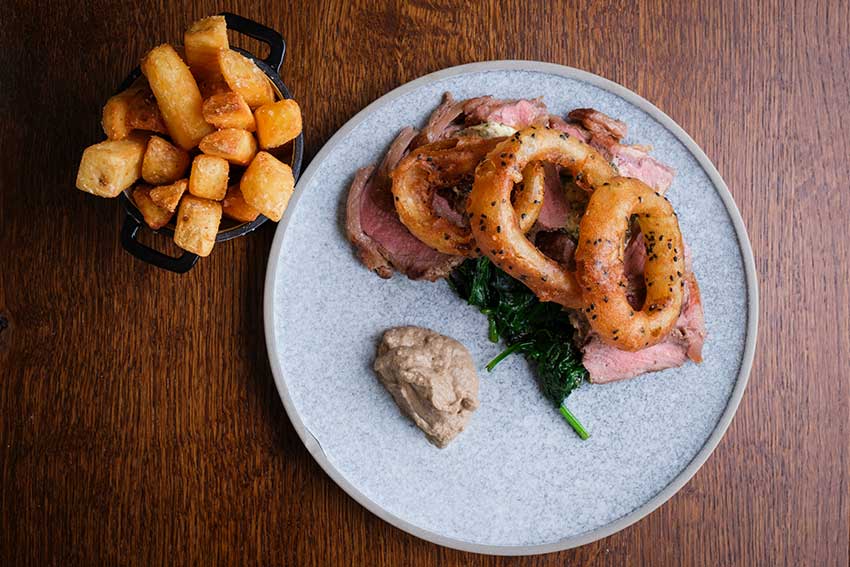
<point x="600" y="269"/>
<point x="495" y="224"/>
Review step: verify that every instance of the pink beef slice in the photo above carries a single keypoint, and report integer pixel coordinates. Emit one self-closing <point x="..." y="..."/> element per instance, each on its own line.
<point x="441" y="122"/>
<point x="634" y="260"/>
<point x="608" y="364"/>
<point x="368" y="249"/>
<point x="606" y="134"/>
<point x="570" y="128"/>
<point x="599" y="122"/>
<point x="555" y="208"/>
<point x="382" y="242"/>
<point x="444" y="208"/>
<point x="635" y="161"/>
<point x="514" y="113"/>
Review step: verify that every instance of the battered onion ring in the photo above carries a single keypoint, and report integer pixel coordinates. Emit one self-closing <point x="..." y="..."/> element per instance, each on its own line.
<point x="495" y="224"/>
<point x="445" y="164"/>
<point x="599" y="264"/>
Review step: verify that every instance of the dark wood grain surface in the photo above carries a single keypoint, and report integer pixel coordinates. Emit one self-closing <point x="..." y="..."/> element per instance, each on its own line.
<point x="139" y="422"/>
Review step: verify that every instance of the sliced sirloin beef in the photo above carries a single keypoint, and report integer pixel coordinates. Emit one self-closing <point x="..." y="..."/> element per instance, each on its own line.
<point x="442" y="122"/>
<point x="514" y="113"/>
<point x="383" y="243"/>
<point x="605" y="134"/>
<point x="555" y="209"/>
<point x="368" y="249"/>
<point x="604" y="130"/>
<point x="635" y="161"/>
<point x="570" y="128"/>
<point x="608" y="364"/>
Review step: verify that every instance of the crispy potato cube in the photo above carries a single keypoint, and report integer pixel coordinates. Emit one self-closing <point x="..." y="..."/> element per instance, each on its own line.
<point x="267" y="185"/>
<point x="277" y="123"/>
<point x="229" y="110"/>
<point x="168" y="196"/>
<point x="234" y="206"/>
<point x="155" y="216"/>
<point x="202" y="41"/>
<point x="236" y="146"/>
<point x="132" y="109"/>
<point x="208" y="178"/>
<point x="177" y="96"/>
<point x="197" y="225"/>
<point x="109" y="167"/>
<point x="163" y="162"/>
<point x="245" y="78"/>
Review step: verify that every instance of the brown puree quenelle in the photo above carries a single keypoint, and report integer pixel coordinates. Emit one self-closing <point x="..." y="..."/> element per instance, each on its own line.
<point x="432" y="379"/>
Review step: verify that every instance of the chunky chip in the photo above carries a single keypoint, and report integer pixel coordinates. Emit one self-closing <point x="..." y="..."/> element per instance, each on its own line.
<point x="208" y="178"/>
<point x="229" y="110"/>
<point x="155" y="216"/>
<point x="168" y="196"/>
<point x="236" y="146"/>
<point x="177" y="96"/>
<point x="245" y="78"/>
<point x="132" y="109"/>
<point x="109" y="167"/>
<point x="197" y="225"/>
<point x="163" y="162"/>
<point x="202" y="41"/>
<point x="267" y="185"/>
<point x="278" y="123"/>
<point x="234" y="206"/>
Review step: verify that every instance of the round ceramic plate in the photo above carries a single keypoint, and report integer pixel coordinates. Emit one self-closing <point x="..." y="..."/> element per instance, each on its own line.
<point x="517" y="480"/>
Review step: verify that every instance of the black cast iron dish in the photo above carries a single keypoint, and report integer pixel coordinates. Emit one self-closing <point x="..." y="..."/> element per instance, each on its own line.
<point x="229" y="229"/>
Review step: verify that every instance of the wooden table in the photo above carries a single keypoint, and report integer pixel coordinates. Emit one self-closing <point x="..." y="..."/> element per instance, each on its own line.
<point x="139" y="423"/>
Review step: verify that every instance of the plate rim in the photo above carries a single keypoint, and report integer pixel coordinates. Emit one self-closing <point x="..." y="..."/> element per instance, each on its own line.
<point x="679" y="481"/>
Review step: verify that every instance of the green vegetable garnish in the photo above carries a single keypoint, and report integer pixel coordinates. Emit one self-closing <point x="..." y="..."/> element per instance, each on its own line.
<point x="571" y="419"/>
<point x="540" y="331"/>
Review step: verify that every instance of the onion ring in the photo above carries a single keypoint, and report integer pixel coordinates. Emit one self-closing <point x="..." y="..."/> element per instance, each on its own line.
<point x="600" y="271"/>
<point x="495" y="223"/>
<point x="445" y="164"/>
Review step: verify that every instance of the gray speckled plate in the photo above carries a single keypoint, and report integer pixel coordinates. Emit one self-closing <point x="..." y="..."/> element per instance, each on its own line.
<point x="518" y="480"/>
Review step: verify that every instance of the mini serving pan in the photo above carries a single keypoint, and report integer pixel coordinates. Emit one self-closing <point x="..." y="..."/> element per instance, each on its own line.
<point x="134" y="221"/>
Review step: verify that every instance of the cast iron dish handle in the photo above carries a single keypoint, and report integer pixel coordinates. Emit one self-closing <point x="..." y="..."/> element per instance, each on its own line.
<point x="277" y="47"/>
<point x="130" y="230"/>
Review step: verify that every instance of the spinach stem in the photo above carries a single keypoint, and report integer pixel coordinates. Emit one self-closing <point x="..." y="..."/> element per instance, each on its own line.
<point x="574" y="423"/>
<point x="492" y="331"/>
<point x="505" y="353"/>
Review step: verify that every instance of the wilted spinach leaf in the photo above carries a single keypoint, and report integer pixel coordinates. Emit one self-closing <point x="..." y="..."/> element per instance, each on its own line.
<point x="541" y="331"/>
